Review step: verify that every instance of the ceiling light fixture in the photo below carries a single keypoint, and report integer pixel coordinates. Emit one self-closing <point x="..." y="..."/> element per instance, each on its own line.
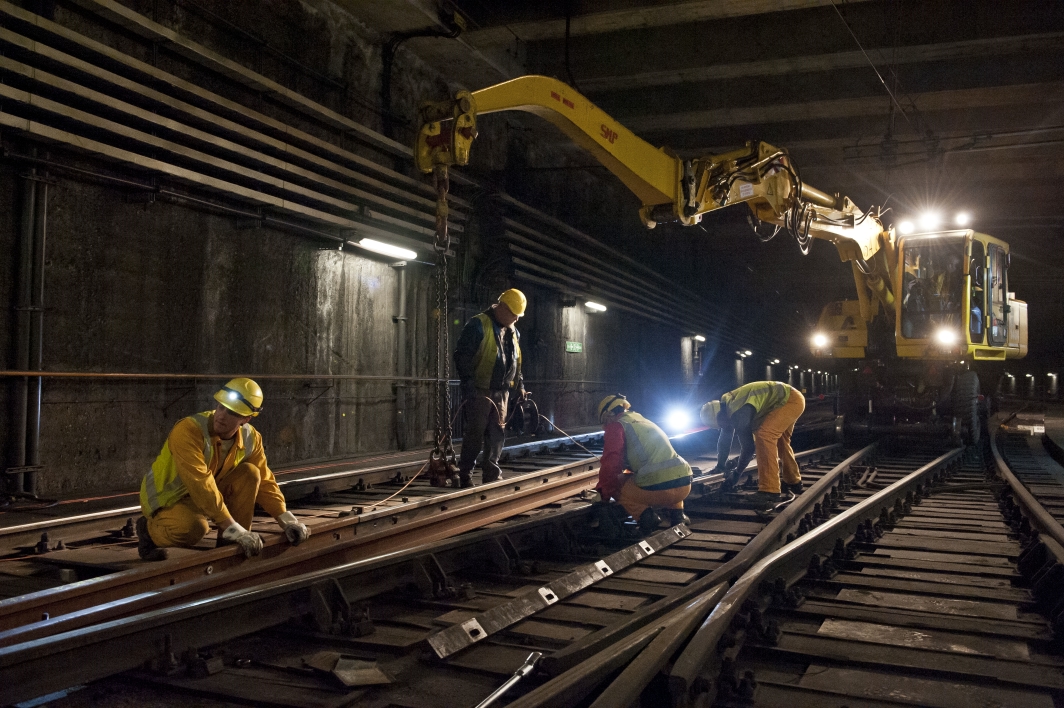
<point x="387" y="249"/>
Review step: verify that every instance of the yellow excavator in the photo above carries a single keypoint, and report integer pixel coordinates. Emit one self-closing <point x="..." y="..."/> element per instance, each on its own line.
<point x="930" y="305"/>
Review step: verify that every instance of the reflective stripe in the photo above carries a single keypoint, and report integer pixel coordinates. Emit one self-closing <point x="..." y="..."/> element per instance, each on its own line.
<point x="162" y="486"/>
<point x="764" y="396"/>
<point x="148" y="490"/>
<point x="649" y="453"/>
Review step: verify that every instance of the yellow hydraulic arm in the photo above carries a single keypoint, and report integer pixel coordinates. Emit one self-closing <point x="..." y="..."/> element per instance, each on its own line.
<point x="671" y="188"/>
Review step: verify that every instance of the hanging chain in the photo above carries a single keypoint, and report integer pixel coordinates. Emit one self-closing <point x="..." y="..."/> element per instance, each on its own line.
<point x="443" y="453"/>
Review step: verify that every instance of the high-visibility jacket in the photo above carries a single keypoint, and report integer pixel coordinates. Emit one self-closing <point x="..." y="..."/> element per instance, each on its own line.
<point x="488" y="369"/>
<point x="764" y="396"/>
<point x="650" y="455"/>
<point x="168" y="480"/>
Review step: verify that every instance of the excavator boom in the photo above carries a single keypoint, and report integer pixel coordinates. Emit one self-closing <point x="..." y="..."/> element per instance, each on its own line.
<point x="672" y="189"/>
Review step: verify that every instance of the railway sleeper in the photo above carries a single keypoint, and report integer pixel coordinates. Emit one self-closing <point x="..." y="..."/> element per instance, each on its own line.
<point x="934" y="633"/>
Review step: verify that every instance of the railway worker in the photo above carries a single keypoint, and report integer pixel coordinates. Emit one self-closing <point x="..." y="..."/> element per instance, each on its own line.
<point x="213" y="466"/>
<point x="639" y="467"/>
<point x="488" y="362"/>
<point x="763" y="414"/>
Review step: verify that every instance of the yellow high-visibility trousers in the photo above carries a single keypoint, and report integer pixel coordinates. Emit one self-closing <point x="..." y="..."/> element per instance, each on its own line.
<point x="772" y="443"/>
<point x="184" y="525"/>
<point x="635" y="499"/>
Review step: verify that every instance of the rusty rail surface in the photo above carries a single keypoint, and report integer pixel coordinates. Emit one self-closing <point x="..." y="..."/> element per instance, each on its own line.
<point x="334" y="542"/>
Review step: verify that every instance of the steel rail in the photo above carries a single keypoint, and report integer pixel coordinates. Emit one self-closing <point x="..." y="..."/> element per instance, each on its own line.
<point x="336" y="541"/>
<point x="328" y="481"/>
<point x="772" y="536"/>
<point x="570" y="688"/>
<point x="40" y="666"/>
<point x="716" y="478"/>
<point x="791" y="558"/>
<point x="1037" y="515"/>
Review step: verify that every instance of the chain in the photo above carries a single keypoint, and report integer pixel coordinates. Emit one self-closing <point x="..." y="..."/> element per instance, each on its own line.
<point x="442" y="400"/>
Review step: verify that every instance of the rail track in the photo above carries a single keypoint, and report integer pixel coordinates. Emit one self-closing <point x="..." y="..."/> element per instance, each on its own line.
<point x="904" y="575"/>
<point x="353" y="513"/>
<point x="412" y="593"/>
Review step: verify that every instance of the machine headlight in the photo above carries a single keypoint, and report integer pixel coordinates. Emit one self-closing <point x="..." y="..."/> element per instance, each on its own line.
<point x="678" y="420"/>
<point x="946" y="337"/>
<point x="930" y="221"/>
<point x="820" y="340"/>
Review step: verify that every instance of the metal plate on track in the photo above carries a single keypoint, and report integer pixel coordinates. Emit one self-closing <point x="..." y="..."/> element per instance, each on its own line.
<point x="917" y="691"/>
<point x="453" y="639"/>
<point x="924" y="603"/>
<point x="607" y="600"/>
<point x="944" y="557"/>
<point x="932" y="640"/>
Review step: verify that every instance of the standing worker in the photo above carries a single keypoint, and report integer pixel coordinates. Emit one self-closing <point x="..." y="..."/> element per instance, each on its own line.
<point x="763" y="414"/>
<point x="658" y="477"/>
<point x="488" y="361"/>
<point x="213" y="466"/>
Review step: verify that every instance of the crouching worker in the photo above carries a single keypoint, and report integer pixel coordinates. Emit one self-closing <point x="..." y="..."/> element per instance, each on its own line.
<point x="763" y="414"/>
<point x="656" y="477"/>
<point x="213" y="466"/>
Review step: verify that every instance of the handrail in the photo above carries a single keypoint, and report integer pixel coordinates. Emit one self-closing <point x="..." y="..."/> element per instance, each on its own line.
<point x="703" y="644"/>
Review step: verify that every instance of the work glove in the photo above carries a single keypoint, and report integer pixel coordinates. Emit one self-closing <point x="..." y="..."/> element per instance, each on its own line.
<point x="294" y="531"/>
<point x="249" y="541"/>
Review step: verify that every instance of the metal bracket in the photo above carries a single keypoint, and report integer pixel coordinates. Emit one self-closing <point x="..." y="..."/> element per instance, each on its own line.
<point x="456" y="637"/>
<point x="331" y="612"/>
<point x="23" y="469"/>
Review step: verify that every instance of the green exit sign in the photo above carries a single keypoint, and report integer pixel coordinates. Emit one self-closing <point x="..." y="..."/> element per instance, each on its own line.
<point x="574" y="347"/>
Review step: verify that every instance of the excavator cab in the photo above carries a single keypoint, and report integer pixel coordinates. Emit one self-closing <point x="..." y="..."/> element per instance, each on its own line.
<point x="917" y="366"/>
<point x="952" y="303"/>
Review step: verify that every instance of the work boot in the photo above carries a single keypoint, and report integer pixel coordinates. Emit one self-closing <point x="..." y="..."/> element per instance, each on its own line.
<point x="677" y="517"/>
<point x="146" y="548"/>
<point x="763" y="500"/>
<point x="465" y="481"/>
<point x="794" y="488"/>
<point x="649" y="520"/>
<point x="489" y="480"/>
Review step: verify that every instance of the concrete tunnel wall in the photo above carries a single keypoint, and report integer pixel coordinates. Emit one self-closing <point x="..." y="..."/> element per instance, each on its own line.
<point x="154" y="287"/>
<point x="158" y="287"/>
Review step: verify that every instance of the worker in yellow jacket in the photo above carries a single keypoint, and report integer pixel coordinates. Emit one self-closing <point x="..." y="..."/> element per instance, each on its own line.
<point x="488" y="362"/>
<point x="213" y="466"/>
<point x="639" y="467"/>
<point x="762" y="414"/>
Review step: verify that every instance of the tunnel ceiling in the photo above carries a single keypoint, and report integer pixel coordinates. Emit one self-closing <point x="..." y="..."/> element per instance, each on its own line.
<point x="948" y="105"/>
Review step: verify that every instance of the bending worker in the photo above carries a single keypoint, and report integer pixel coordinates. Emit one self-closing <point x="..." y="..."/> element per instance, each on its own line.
<point x="488" y="361"/>
<point x="658" y="477"/>
<point x="213" y="466"/>
<point x="763" y="414"/>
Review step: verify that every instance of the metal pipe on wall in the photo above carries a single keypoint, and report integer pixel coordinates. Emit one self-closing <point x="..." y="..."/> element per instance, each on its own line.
<point x="20" y="386"/>
<point x="36" y="353"/>
<point x="400" y="358"/>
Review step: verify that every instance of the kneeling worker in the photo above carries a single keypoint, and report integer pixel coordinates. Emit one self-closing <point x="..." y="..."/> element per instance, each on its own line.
<point x="763" y="414"/>
<point x="658" y="477"/>
<point x="213" y="466"/>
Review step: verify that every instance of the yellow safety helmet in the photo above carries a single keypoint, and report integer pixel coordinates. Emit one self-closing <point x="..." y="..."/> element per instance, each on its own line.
<point x="515" y="300"/>
<point x="242" y="396"/>
<point x="709" y="413"/>
<point x="611" y="403"/>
